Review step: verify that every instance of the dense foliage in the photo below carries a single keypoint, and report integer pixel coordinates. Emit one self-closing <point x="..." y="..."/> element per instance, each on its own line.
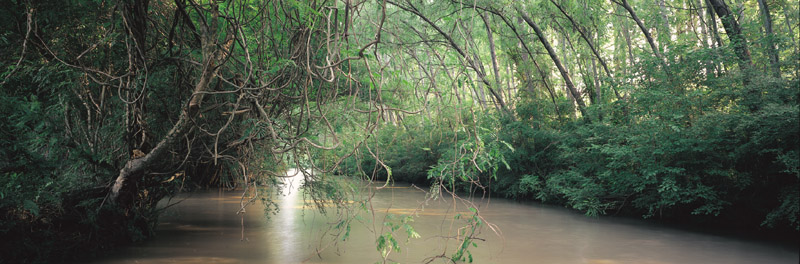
<point x="682" y="110"/>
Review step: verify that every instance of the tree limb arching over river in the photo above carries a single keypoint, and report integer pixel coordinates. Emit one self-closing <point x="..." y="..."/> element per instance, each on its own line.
<point x="110" y="107"/>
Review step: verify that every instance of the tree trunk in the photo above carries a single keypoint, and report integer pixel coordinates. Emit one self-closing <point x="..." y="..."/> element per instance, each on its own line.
<point x="509" y="78"/>
<point x="739" y="43"/>
<point x="771" y="50"/>
<point x="596" y="82"/>
<point x="789" y="25"/>
<point x="734" y="32"/>
<point x="493" y="54"/>
<point x="664" y="32"/>
<point x="480" y="70"/>
<point x="704" y="32"/>
<point x="438" y="57"/>
<point x="713" y="25"/>
<point x="135" y="17"/>
<point x="477" y="92"/>
<point x="564" y="74"/>
<point x="626" y="33"/>
<point x="589" y="43"/>
<point x="717" y="41"/>
<point x="123" y="190"/>
<point x="641" y="25"/>
<point x="796" y="47"/>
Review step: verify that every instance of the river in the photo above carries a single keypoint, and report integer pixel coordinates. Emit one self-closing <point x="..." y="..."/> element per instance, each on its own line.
<point x="204" y="228"/>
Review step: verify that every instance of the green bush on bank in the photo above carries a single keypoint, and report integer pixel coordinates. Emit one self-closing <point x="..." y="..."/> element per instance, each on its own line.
<point x="674" y="155"/>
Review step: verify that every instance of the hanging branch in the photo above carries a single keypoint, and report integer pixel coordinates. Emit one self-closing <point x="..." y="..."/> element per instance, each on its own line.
<point x="591" y="46"/>
<point x="470" y="62"/>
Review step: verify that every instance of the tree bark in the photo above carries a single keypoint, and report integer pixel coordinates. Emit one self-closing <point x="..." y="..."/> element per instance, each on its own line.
<point x="626" y="33"/>
<point x="734" y="32"/>
<point x="136" y="167"/>
<point x="664" y="33"/>
<point x="704" y="32"/>
<point x="492" y="52"/>
<point x="564" y="74"/>
<point x="739" y="43"/>
<point x="135" y="17"/>
<point x="771" y="50"/>
<point x="789" y="24"/>
<point x="598" y="94"/>
<point x="641" y="25"/>
<point x="717" y="41"/>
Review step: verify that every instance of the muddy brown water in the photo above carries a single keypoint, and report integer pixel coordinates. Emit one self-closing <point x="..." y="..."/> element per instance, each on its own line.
<point x="204" y="228"/>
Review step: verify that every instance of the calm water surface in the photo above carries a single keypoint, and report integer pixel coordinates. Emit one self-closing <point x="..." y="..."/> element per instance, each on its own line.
<point x="204" y="228"/>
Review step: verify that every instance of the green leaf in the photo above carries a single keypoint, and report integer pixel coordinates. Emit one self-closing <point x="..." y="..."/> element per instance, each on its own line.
<point x="31" y="207"/>
<point x="381" y="243"/>
<point x="507" y="145"/>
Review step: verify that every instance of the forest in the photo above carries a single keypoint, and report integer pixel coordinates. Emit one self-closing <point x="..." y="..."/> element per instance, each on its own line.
<point x="676" y="111"/>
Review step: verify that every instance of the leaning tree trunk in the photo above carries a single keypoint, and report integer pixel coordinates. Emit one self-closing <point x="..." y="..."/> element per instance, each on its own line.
<point x="490" y="38"/>
<point x="641" y="25"/>
<point x="647" y="36"/>
<point x="123" y="190"/>
<point x="564" y="74"/>
<point x="589" y="43"/>
<point x="470" y="61"/>
<point x="734" y="32"/>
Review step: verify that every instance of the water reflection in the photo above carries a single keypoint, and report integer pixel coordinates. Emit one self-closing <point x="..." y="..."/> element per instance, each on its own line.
<point x="286" y="228"/>
<point x="205" y="229"/>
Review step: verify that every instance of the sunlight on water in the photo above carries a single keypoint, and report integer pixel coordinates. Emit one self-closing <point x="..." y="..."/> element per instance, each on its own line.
<point x="285" y="220"/>
<point x="204" y="228"/>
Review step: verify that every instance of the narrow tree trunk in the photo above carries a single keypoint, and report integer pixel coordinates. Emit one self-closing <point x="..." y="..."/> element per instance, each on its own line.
<point x="626" y="34"/>
<point x="528" y="56"/>
<point x="618" y="57"/>
<point x="135" y="17"/>
<point x="470" y="61"/>
<point x="481" y="94"/>
<point x="588" y="42"/>
<point x="641" y="25"/>
<point x="596" y="79"/>
<point x="734" y="32"/>
<point x="490" y="38"/>
<point x="664" y="33"/>
<point x="704" y="32"/>
<point x="771" y="50"/>
<point x="628" y="44"/>
<point x="564" y="74"/>
<point x="565" y="54"/>
<point x="509" y="78"/>
<point x="717" y="41"/>
<point x="713" y="25"/>
<point x="480" y="70"/>
<point x="789" y="23"/>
